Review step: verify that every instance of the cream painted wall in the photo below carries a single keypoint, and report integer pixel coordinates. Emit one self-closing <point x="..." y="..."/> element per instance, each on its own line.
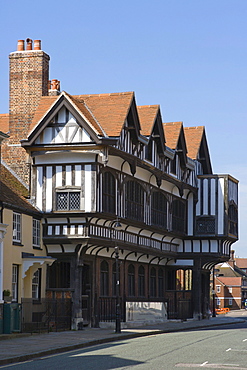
<point x="12" y="254"/>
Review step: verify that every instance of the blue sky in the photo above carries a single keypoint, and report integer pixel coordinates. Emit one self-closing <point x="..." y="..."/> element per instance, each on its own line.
<point x="189" y="56"/>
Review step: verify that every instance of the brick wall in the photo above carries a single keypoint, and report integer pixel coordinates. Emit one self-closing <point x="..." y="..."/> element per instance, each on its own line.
<point x="28" y="81"/>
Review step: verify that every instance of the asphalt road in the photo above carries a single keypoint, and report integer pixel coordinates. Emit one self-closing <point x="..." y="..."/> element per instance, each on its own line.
<point x="222" y="347"/>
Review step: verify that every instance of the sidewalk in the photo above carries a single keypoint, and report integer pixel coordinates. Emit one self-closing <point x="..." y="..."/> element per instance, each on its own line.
<point x="22" y="347"/>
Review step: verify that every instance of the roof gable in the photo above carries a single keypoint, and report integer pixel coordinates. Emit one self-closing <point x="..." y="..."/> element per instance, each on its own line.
<point x="151" y="124"/>
<point x="197" y="147"/>
<point x="172" y="133"/>
<point x="63" y="119"/>
<point x="175" y="140"/>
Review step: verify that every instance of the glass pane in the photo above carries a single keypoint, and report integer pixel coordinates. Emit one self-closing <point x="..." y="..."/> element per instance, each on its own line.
<point x="62" y="201"/>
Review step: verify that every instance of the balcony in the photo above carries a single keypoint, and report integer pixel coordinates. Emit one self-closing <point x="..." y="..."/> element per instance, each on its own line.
<point x="57" y="233"/>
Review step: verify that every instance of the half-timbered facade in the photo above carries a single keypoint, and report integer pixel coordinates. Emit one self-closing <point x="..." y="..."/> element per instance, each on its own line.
<point x="97" y="160"/>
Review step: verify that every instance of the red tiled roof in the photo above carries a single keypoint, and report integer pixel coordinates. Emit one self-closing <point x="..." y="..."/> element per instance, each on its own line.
<point x="147" y="115"/>
<point x="110" y="110"/>
<point x="45" y="104"/>
<point x="105" y="112"/>
<point x="241" y="263"/>
<point x="193" y="137"/>
<point x="4" y="123"/>
<point x="230" y="281"/>
<point x="172" y="132"/>
<point x="13" y="192"/>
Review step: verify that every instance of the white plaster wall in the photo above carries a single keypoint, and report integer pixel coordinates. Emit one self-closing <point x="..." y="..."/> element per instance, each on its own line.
<point x="63" y="158"/>
<point x="213" y="194"/>
<point x="221" y="206"/>
<point x="39" y="187"/>
<point x="88" y="188"/>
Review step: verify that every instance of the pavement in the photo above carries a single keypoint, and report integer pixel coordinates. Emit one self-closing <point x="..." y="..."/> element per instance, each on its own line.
<point x="21" y="347"/>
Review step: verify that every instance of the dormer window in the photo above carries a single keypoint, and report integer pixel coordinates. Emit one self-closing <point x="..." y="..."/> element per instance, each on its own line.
<point x="68" y="199"/>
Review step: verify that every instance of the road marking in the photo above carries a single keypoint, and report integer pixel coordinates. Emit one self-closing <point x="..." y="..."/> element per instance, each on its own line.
<point x="213" y="366"/>
<point x="15" y="364"/>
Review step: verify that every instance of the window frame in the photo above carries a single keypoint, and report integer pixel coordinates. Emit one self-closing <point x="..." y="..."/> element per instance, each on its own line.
<point x="36" y="285"/>
<point x="68" y="190"/>
<point x="179" y="216"/>
<point x="104" y="278"/>
<point x="36" y="233"/>
<point x="159" y="209"/>
<point x="17" y="227"/>
<point x="131" y="280"/>
<point x="108" y="192"/>
<point x="153" y="282"/>
<point x="134" y="200"/>
<point x="141" y="281"/>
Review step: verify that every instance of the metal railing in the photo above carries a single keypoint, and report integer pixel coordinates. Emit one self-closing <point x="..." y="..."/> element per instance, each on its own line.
<point x="46" y="315"/>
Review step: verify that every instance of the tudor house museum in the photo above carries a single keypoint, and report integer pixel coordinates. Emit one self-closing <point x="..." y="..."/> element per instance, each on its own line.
<point x="109" y="214"/>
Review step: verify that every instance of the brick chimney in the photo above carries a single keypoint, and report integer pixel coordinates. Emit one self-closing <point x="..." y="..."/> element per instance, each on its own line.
<point x="28" y="81"/>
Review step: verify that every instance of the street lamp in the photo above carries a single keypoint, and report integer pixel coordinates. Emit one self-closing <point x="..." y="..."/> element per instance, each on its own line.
<point x="213" y="295"/>
<point x="117" y="226"/>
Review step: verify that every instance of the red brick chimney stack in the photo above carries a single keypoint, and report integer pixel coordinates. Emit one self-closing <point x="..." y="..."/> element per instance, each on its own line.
<point x="28" y="81"/>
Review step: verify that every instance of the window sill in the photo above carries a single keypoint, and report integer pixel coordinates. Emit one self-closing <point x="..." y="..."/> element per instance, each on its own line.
<point x="18" y="243"/>
<point x="37" y="247"/>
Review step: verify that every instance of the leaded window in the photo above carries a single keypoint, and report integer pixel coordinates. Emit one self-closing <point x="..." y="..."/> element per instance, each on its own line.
<point x="233" y="219"/>
<point x="141" y="281"/>
<point x="134" y="201"/>
<point x="153" y="282"/>
<point x="68" y="201"/>
<point x="161" y="282"/>
<point x="109" y="193"/>
<point x="178" y="216"/>
<point x="159" y="206"/>
<point x="104" y="278"/>
<point x="131" y="280"/>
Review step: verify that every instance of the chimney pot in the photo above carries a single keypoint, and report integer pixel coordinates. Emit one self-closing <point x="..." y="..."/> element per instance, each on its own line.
<point x="29" y="44"/>
<point x="55" y="84"/>
<point x="20" y="45"/>
<point x="37" y="44"/>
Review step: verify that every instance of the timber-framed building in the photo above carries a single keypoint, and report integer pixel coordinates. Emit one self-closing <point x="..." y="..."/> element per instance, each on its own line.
<point x="93" y="160"/>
